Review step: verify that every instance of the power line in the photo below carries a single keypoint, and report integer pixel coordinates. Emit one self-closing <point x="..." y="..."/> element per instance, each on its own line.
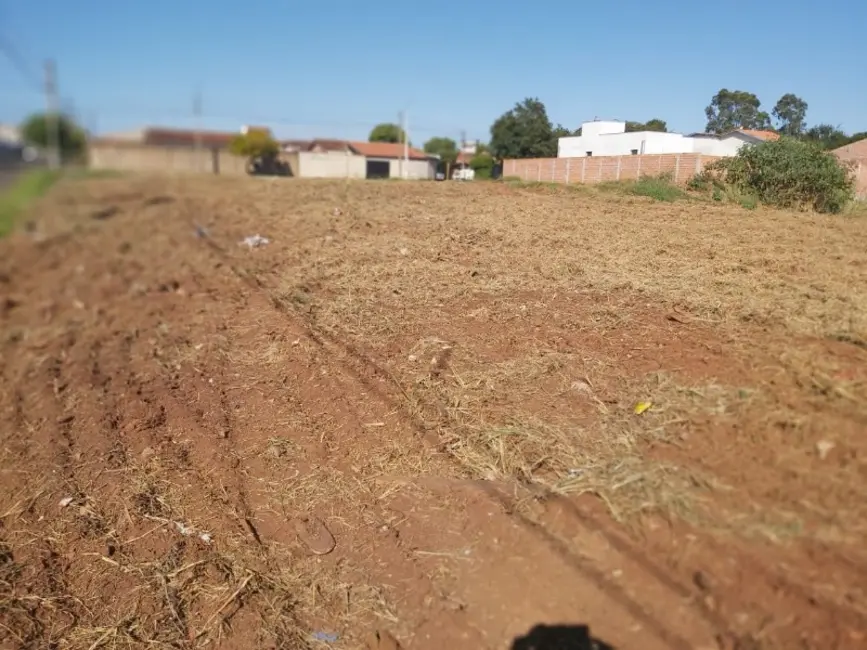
<point x="18" y="62"/>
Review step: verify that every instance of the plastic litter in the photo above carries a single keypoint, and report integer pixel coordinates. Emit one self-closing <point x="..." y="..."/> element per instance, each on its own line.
<point x="255" y="241"/>
<point x="326" y="637"/>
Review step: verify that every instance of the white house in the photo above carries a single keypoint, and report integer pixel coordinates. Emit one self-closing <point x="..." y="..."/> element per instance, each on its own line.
<point x="609" y="138"/>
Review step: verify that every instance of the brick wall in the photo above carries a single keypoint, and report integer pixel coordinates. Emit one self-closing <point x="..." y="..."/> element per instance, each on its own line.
<point x="597" y="169"/>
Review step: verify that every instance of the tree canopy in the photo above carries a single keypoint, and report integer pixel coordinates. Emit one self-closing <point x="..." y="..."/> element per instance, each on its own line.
<point x="525" y="132"/>
<point x="386" y="132"/>
<point x="735" y="109"/>
<point x="254" y="144"/>
<point x="827" y="136"/>
<point x="790" y="112"/>
<point x="72" y="138"/>
<point x="445" y="148"/>
<point x="655" y="124"/>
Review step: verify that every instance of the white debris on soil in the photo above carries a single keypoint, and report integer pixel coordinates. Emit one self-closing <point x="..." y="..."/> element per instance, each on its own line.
<point x="65" y="501"/>
<point x="823" y="448"/>
<point x="189" y="531"/>
<point x="255" y="241"/>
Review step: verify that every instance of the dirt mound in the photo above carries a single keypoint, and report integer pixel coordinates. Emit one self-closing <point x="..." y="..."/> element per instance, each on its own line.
<point x="432" y="415"/>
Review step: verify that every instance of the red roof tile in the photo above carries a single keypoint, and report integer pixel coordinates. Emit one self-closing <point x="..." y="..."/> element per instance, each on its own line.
<point x="387" y="150"/>
<point x="761" y="135"/>
<point x="184" y="138"/>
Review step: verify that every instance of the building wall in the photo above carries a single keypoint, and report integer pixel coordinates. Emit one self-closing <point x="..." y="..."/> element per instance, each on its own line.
<point x="855" y="155"/>
<point x="854" y="151"/>
<point x="682" y="167"/>
<point x="646" y="142"/>
<point x="621" y="144"/>
<point x="137" y="157"/>
<point x="414" y="169"/>
<point x="331" y="164"/>
<point x="146" y="158"/>
<point x="602" y="127"/>
<point x="728" y="146"/>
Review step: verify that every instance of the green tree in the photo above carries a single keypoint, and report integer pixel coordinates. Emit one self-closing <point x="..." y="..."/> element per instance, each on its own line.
<point x="72" y="140"/>
<point x="827" y="136"/>
<point x="482" y="165"/>
<point x="386" y="132"/>
<point x="651" y="125"/>
<point x="791" y="112"/>
<point x="445" y="148"/>
<point x="255" y="144"/>
<point x="735" y="109"/>
<point x="524" y="132"/>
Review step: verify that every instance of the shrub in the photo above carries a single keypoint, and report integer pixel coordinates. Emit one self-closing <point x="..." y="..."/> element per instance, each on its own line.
<point x="661" y="188"/>
<point x="785" y="173"/>
<point x="482" y="166"/>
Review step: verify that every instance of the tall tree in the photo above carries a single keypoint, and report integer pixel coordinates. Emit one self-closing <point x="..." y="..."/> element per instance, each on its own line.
<point x="445" y="148"/>
<point x="790" y="111"/>
<point x="36" y="131"/>
<point x="651" y="125"/>
<point x="735" y="109"/>
<point x="524" y="132"/>
<point x="386" y="132"/>
<point x="561" y="131"/>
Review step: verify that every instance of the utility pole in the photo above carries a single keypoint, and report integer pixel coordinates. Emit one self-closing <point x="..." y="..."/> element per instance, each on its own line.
<point x="197" y="132"/>
<point x="52" y="116"/>
<point x="401" y="123"/>
<point x="405" y="172"/>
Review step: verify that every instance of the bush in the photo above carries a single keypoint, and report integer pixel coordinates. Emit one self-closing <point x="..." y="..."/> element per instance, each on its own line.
<point x="482" y="166"/>
<point x="660" y="188"/>
<point x="785" y="173"/>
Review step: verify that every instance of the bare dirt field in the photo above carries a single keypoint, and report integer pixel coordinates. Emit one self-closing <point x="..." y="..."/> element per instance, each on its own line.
<point x="432" y="414"/>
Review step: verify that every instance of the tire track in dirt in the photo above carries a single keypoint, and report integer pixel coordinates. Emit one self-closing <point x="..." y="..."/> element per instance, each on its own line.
<point x="366" y="371"/>
<point x="340" y="410"/>
<point x="702" y="603"/>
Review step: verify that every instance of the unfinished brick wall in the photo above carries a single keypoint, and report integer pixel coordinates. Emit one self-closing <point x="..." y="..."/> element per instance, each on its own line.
<point x="597" y="169"/>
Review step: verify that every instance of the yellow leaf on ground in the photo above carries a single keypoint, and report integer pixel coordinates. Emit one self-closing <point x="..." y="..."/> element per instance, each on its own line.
<point x="641" y="407"/>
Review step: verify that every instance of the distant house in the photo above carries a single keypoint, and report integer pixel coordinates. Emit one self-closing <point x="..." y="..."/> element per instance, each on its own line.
<point x="393" y="160"/>
<point x="609" y="138"/>
<point x="167" y="149"/>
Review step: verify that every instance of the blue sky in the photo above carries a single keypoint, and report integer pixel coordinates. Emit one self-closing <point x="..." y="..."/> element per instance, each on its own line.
<point x="336" y="67"/>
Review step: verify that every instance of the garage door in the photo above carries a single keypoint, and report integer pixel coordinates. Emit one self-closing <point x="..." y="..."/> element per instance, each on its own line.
<point x="378" y="169"/>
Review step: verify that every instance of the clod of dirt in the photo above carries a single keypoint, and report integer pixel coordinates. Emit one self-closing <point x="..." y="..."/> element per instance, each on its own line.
<point x="440" y="361"/>
<point x="105" y="213"/>
<point x="382" y="640"/>
<point x="8" y="305"/>
<point x="158" y="200"/>
<point x="314" y="535"/>
<point x="166" y="287"/>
